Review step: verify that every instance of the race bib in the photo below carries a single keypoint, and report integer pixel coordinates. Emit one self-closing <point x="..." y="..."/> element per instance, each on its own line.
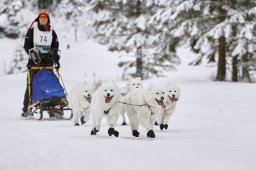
<point x="42" y="39"/>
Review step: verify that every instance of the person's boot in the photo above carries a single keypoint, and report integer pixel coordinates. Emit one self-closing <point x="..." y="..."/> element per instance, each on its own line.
<point x="27" y="114"/>
<point x="24" y="112"/>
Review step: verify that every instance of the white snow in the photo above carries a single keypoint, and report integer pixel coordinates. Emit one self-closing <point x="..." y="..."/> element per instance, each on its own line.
<point x="3" y="19"/>
<point x="213" y="127"/>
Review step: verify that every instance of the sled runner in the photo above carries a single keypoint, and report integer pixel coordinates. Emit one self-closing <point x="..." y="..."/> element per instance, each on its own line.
<point x="46" y="94"/>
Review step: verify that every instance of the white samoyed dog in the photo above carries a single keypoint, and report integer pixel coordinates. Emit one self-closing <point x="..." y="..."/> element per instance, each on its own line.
<point x="104" y="103"/>
<point x="80" y="100"/>
<point x="173" y="92"/>
<point x="143" y="108"/>
<point x="132" y="85"/>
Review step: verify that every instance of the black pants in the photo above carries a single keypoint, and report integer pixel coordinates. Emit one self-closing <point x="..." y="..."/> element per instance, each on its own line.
<point x="26" y="100"/>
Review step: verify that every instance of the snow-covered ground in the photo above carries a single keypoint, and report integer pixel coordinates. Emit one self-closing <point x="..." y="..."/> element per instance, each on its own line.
<point x="213" y="127"/>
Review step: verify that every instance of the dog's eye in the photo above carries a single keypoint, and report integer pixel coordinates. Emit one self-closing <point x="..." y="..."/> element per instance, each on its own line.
<point x="175" y="91"/>
<point x="138" y="84"/>
<point x="105" y="90"/>
<point x="85" y="91"/>
<point x="163" y="93"/>
<point x="133" y="84"/>
<point x="157" y="93"/>
<point x="111" y="90"/>
<point x="170" y="91"/>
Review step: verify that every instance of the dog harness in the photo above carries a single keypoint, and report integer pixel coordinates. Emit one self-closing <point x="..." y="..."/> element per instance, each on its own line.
<point x="106" y="111"/>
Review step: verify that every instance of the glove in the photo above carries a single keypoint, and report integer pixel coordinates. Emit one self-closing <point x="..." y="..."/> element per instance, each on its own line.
<point x="53" y="54"/>
<point x="35" y="54"/>
<point x="56" y="58"/>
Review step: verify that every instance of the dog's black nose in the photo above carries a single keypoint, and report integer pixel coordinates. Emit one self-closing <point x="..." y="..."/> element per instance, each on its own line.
<point x="162" y="98"/>
<point x="89" y="95"/>
<point x="173" y="95"/>
<point x="108" y="94"/>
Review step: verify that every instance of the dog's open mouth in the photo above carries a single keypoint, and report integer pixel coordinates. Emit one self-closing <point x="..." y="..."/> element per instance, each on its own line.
<point x="173" y="99"/>
<point x="88" y="99"/>
<point x="108" y="99"/>
<point x="161" y="103"/>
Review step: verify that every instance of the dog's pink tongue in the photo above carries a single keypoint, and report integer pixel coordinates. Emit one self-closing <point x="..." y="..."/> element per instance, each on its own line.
<point x="88" y="99"/>
<point x="173" y="99"/>
<point x="107" y="99"/>
<point x="162" y="104"/>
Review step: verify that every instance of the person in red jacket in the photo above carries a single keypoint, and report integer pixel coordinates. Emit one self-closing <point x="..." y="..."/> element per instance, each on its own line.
<point x="41" y="41"/>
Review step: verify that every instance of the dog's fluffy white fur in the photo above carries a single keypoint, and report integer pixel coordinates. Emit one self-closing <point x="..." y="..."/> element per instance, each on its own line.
<point x="104" y="103"/>
<point x="146" y="102"/>
<point x="80" y="100"/>
<point x="173" y="92"/>
<point x="132" y="85"/>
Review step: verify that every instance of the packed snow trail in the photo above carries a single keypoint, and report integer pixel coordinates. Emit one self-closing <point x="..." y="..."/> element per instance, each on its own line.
<point x="212" y="128"/>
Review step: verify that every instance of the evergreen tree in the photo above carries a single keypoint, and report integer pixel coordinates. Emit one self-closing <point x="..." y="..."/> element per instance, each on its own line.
<point x="45" y="4"/>
<point x="73" y="11"/>
<point x="13" y="24"/>
<point x="8" y="13"/>
<point x="127" y="27"/>
<point x="19" y="61"/>
<point x="220" y="29"/>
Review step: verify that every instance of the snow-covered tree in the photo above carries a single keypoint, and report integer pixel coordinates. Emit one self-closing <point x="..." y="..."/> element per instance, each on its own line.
<point x="72" y="11"/>
<point x="19" y="61"/>
<point x="14" y="21"/>
<point x="215" y="29"/>
<point x="13" y="17"/>
<point x="126" y="26"/>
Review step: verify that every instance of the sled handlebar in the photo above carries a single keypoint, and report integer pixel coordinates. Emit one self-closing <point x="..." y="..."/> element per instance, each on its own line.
<point x="42" y="67"/>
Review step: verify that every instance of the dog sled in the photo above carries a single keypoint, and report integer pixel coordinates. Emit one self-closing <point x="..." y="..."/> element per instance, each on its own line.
<point x="46" y="93"/>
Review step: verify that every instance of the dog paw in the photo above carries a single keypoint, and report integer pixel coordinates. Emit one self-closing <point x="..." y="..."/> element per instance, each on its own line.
<point x="82" y="120"/>
<point x="124" y="123"/>
<point x="111" y="131"/>
<point x="151" y="134"/>
<point x="94" y="131"/>
<point x="76" y="124"/>
<point x="135" y="133"/>
<point x="116" y="133"/>
<point x="156" y="124"/>
<point x="162" y="126"/>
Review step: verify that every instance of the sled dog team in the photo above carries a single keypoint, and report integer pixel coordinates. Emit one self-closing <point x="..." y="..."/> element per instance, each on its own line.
<point x="145" y="106"/>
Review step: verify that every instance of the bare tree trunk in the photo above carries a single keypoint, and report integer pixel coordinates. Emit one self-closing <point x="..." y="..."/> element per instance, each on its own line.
<point x="45" y="4"/>
<point x="234" y="69"/>
<point x="221" y="72"/>
<point x="139" y="63"/>
<point x="245" y="69"/>
<point x="235" y="58"/>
